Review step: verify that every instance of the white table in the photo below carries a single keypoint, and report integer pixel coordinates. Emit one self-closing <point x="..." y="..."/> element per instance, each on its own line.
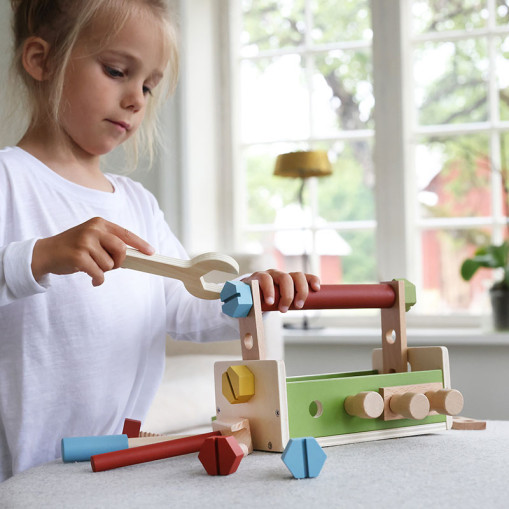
<point x="450" y="469"/>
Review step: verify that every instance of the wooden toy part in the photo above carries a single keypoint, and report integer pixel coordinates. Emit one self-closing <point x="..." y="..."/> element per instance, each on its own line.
<point x="82" y="448"/>
<point x="304" y="457"/>
<point x="366" y="405"/>
<point x="466" y="423"/>
<point x="190" y="272"/>
<point x="131" y="428"/>
<point x="410" y="405"/>
<point x="423" y="358"/>
<point x="220" y="455"/>
<point x="394" y="343"/>
<point x="344" y="297"/>
<point x="407" y="401"/>
<point x="446" y="401"/>
<point x="239" y="428"/>
<point x="140" y="441"/>
<point x="267" y="411"/>
<point x="152" y="452"/>
<point x="238" y="384"/>
<point x="252" y="333"/>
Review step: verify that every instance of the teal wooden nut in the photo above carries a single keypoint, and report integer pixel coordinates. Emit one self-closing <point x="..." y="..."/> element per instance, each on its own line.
<point x="304" y="457"/>
<point x="237" y="299"/>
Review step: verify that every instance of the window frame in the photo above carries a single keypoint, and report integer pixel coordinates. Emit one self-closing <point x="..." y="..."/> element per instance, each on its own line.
<point x="398" y="227"/>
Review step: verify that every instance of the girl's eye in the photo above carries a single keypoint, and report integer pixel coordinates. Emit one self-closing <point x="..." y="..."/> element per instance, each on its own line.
<point x="147" y="91"/>
<point x="114" y="73"/>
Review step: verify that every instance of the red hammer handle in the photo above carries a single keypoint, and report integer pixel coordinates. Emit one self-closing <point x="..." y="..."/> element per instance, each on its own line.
<point x="344" y="297"/>
<point x="151" y="452"/>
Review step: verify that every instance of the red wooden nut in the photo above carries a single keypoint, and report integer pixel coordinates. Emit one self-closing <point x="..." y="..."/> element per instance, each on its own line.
<point x="220" y="455"/>
<point x="131" y="428"/>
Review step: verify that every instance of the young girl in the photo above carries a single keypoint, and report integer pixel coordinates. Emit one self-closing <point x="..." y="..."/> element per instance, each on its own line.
<point x="77" y="358"/>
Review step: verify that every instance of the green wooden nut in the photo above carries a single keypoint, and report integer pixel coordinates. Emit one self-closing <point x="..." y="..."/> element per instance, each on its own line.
<point x="410" y="294"/>
<point x="238" y="384"/>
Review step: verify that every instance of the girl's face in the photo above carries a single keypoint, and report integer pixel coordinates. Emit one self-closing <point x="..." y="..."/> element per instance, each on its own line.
<point x="107" y="87"/>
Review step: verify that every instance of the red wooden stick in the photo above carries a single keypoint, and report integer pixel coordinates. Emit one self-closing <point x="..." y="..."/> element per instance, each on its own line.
<point x="151" y="452"/>
<point x="344" y="297"/>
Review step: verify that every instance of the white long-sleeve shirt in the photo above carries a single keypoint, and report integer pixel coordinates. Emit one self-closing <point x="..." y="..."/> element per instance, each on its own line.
<point x="75" y="360"/>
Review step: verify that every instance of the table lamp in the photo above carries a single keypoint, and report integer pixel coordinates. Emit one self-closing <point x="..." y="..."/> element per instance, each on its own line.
<point x="303" y="165"/>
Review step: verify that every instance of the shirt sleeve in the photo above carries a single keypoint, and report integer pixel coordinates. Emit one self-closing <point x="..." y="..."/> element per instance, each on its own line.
<point x="16" y="278"/>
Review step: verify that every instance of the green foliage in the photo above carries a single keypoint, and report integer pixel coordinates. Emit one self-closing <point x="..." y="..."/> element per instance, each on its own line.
<point x="490" y="257"/>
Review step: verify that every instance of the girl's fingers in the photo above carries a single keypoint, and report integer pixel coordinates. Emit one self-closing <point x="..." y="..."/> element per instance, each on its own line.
<point x="301" y="288"/>
<point x="130" y="238"/>
<point x="293" y="288"/>
<point x="115" y="249"/>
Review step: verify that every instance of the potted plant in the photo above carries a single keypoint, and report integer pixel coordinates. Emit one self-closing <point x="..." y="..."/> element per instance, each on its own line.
<point x="493" y="257"/>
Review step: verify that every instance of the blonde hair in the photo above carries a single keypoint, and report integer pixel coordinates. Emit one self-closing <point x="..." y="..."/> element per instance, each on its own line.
<point x="62" y="23"/>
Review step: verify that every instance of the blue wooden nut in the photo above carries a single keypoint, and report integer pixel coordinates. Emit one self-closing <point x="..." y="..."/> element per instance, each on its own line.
<point x="304" y="457"/>
<point x="237" y="299"/>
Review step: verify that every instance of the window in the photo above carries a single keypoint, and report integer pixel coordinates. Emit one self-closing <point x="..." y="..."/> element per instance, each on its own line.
<point x="412" y="193"/>
<point x="461" y="100"/>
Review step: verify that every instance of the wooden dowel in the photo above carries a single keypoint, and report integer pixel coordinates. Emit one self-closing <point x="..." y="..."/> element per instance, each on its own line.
<point x="344" y="297"/>
<point x="152" y="452"/>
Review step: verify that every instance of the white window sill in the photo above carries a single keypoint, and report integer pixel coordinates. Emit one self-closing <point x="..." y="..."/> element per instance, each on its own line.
<point x="415" y="337"/>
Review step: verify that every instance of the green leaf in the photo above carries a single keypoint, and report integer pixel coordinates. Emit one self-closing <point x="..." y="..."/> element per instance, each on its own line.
<point x="469" y="268"/>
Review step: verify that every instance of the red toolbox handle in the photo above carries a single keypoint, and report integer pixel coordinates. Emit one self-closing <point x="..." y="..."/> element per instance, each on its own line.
<point x="379" y="295"/>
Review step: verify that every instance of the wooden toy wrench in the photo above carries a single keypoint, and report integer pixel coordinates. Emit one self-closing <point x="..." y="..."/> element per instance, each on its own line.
<point x="190" y="272"/>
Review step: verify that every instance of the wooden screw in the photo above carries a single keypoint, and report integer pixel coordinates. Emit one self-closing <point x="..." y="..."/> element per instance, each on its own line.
<point x="410" y="405"/>
<point x="446" y="401"/>
<point x="366" y="405"/>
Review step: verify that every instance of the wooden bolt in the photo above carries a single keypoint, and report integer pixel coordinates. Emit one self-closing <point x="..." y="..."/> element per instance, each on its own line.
<point x="410" y="405"/>
<point x="238" y="384"/>
<point x="220" y="455"/>
<point x="446" y="401"/>
<point x="366" y="405"/>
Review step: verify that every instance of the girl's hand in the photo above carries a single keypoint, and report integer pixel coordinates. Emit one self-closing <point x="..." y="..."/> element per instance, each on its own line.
<point x="293" y="287"/>
<point x="94" y="247"/>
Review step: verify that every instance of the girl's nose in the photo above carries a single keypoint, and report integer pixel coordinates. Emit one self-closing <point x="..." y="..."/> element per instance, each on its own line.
<point x="133" y="98"/>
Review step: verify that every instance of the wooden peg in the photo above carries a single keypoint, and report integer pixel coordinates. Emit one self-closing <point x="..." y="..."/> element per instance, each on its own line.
<point x="366" y="405"/>
<point x="410" y="405"/>
<point x="445" y="401"/>
<point x="252" y="335"/>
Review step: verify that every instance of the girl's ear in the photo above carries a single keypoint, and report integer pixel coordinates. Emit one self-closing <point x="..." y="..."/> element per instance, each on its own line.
<point x="34" y="58"/>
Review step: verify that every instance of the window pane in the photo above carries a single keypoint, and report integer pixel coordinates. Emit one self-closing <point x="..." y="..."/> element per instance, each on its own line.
<point x="502" y="12"/>
<point x="442" y="289"/>
<point x="272" y="24"/>
<point x="445" y="15"/>
<point x="454" y="177"/>
<point x="348" y="194"/>
<point x="360" y="265"/>
<point x="342" y="257"/>
<point x="274" y="99"/>
<point x="342" y="92"/>
<point x="352" y="21"/>
<point x="451" y="82"/>
<point x="267" y="194"/>
<point x="503" y="77"/>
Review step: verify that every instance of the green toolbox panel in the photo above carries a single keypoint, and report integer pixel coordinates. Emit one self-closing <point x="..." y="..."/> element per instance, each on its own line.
<point x="316" y="403"/>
